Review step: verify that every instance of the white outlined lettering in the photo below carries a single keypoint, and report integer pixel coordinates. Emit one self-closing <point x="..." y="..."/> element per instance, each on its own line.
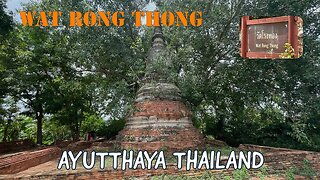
<point x="64" y="161"/>
<point x="254" y="158"/>
<point x="102" y="159"/>
<point x="115" y="156"/>
<point x="244" y="160"/>
<point x="139" y="161"/>
<point x="218" y="157"/>
<point x="150" y="159"/>
<point x="161" y="161"/>
<point x="126" y="160"/>
<point x="191" y="160"/>
<point x="179" y="158"/>
<point x="92" y="159"/>
<point x="143" y="160"/>
<point x="204" y="160"/>
<point x="232" y="160"/>
<point x="74" y="159"/>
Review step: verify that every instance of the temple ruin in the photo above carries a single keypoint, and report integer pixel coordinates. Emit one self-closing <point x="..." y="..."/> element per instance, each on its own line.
<point x="159" y="119"/>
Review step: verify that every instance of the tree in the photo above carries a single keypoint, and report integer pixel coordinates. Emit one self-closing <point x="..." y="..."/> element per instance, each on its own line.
<point x="92" y="123"/>
<point x="59" y="78"/>
<point x="8" y="115"/>
<point x="29" y="72"/>
<point x="239" y="95"/>
<point x="6" y="21"/>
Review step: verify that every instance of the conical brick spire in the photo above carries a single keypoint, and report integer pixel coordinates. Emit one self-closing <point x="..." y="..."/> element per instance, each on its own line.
<point x="160" y="119"/>
<point x="157" y="83"/>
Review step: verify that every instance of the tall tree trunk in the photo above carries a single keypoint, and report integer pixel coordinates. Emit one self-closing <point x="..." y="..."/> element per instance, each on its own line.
<point x="5" y="132"/>
<point x="220" y="128"/>
<point x="39" y="117"/>
<point x="77" y="125"/>
<point x="75" y="131"/>
<point x="75" y="134"/>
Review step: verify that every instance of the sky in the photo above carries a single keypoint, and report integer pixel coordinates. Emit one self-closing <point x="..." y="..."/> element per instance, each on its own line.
<point x="12" y="5"/>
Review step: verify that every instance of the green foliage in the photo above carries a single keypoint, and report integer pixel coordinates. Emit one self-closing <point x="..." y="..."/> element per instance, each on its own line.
<point x="6" y="21"/>
<point x="19" y="127"/>
<point x="227" y="178"/>
<point x="27" y="128"/>
<point x="207" y="175"/>
<point x="288" y="52"/>
<point x="92" y="123"/>
<point x="307" y="170"/>
<point x="263" y="172"/>
<point x="112" y="128"/>
<point x="290" y="174"/>
<point x="241" y="174"/>
<point x="247" y="101"/>
<point x="53" y="130"/>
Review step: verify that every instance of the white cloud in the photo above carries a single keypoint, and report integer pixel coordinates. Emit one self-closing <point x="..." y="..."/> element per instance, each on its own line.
<point x="14" y="5"/>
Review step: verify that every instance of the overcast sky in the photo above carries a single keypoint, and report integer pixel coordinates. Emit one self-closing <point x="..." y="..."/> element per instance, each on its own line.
<point x="15" y="4"/>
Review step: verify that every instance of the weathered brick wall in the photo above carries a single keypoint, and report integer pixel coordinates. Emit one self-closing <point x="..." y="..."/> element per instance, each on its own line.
<point x="215" y="143"/>
<point x="170" y="139"/>
<point x="160" y="124"/>
<point x="282" y="159"/>
<point x="119" y="174"/>
<point x="62" y="144"/>
<point x="251" y="147"/>
<point x="106" y="144"/>
<point x="285" y="160"/>
<point x="22" y="161"/>
<point x="15" y="146"/>
<point x="82" y="145"/>
<point x="79" y="145"/>
<point x="162" y="109"/>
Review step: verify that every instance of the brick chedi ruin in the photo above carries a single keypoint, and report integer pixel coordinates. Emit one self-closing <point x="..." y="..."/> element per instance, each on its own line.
<point x="160" y="119"/>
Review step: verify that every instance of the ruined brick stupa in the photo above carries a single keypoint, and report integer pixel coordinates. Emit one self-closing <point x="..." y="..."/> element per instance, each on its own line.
<point x="160" y="119"/>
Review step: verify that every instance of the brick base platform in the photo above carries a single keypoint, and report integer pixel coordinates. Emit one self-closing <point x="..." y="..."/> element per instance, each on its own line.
<point x="21" y="161"/>
<point x="160" y="124"/>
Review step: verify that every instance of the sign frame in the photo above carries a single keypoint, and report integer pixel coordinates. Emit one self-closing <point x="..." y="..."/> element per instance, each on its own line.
<point x="292" y="36"/>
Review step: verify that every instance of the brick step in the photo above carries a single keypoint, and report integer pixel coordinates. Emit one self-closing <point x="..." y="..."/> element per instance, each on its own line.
<point x="23" y="155"/>
<point x="23" y="161"/>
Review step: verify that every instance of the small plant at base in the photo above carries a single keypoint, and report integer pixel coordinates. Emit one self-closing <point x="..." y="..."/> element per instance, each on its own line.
<point x="207" y="175"/>
<point x="241" y="174"/>
<point x="263" y="173"/>
<point x="164" y="148"/>
<point x="290" y="174"/>
<point x="162" y="176"/>
<point x="227" y="178"/>
<point x="307" y="170"/>
<point x="288" y="52"/>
